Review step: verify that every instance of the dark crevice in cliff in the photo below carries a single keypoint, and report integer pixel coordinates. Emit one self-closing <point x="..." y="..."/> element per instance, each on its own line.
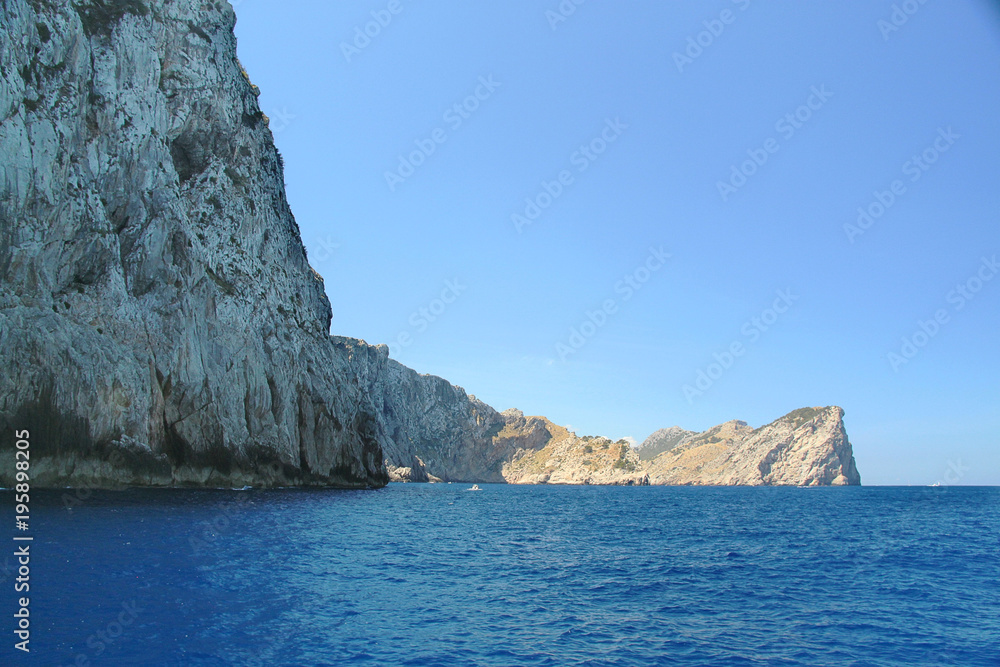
<point x="189" y="156"/>
<point x="53" y="431"/>
<point x="100" y="17"/>
<point x="160" y="141"/>
<point x="174" y="446"/>
<point x="6" y="235"/>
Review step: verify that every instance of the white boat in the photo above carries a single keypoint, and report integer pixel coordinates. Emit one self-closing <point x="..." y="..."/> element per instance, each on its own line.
<point x="475" y="487"/>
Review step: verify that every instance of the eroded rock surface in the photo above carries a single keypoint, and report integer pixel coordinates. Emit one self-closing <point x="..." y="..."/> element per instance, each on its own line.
<point x="160" y="323"/>
<point x="158" y="318"/>
<point x="807" y="447"/>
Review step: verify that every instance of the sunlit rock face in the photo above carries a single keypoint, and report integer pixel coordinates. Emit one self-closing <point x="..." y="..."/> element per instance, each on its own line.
<point x="158" y="317"/>
<point x="807" y="447"/>
<point x="161" y="325"/>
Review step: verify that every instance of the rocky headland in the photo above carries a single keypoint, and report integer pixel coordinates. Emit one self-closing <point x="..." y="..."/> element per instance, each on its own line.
<point x="807" y="447"/>
<point x="160" y="322"/>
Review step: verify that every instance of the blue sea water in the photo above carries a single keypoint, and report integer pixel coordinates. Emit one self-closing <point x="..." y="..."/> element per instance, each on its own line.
<point x="513" y="575"/>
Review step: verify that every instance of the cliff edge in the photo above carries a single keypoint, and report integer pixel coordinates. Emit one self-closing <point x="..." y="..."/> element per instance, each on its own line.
<point x="807" y="447"/>
<point x="159" y="320"/>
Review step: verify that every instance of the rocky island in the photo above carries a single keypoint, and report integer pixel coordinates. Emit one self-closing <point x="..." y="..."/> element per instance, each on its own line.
<point x="160" y="322"/>
<point x="808" y="447"/>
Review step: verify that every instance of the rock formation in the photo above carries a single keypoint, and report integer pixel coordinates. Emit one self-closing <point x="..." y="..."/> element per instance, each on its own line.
<point x="807" y="447"/>
<point x="429" y="429"/>
<point x="159" y="321"/>
<point x="662" y="441"/>
<point x="161" y="325"/>
<point x="567" y="458"/>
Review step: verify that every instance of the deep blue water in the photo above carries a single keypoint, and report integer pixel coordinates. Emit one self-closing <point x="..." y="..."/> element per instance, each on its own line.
<point x="436" y="575"/>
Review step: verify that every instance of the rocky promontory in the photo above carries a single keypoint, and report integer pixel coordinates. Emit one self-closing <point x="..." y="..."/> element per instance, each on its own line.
<point x="161" y="324"/>
<point x="159" y="320"/>
<point x="567" y="458"/>
<point x="807" y="447"/>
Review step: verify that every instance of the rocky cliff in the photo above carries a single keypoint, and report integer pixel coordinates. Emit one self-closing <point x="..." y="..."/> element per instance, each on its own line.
<point x="565" y="458"/>
<point x="429" y="429"/>
<point x="808" y="447"/>
<point x="662" y="441"/>
<point x="158" y="318"/>
<point x="161" y="325"/>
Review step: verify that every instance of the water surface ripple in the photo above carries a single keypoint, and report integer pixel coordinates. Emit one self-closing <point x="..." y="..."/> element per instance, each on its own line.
<point x="510" y="575"/>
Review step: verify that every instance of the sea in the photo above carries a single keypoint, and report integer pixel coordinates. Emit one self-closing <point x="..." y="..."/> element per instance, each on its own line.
<point x="437" y="574"/>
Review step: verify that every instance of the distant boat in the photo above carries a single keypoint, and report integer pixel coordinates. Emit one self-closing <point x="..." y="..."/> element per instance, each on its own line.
<point x="475" y="487"/>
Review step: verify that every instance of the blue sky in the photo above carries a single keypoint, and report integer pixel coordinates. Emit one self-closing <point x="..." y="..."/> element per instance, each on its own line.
<point x="739" y="138"/>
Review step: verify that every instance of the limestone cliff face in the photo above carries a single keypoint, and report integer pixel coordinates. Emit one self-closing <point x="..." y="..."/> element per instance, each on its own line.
<point x="808" y="447"/>
<point x="429" y="429"/>
<point x="160" y="323"/>
<point x="158" y="318"/>
<point x="662" y="441"/>
<point x="566" y="458"/>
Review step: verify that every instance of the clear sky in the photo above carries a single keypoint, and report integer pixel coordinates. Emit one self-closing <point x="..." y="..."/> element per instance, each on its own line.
<point x="687" y="179"/>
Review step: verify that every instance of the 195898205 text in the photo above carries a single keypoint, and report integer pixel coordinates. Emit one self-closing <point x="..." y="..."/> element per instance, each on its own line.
<point x="22" y="584"/>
